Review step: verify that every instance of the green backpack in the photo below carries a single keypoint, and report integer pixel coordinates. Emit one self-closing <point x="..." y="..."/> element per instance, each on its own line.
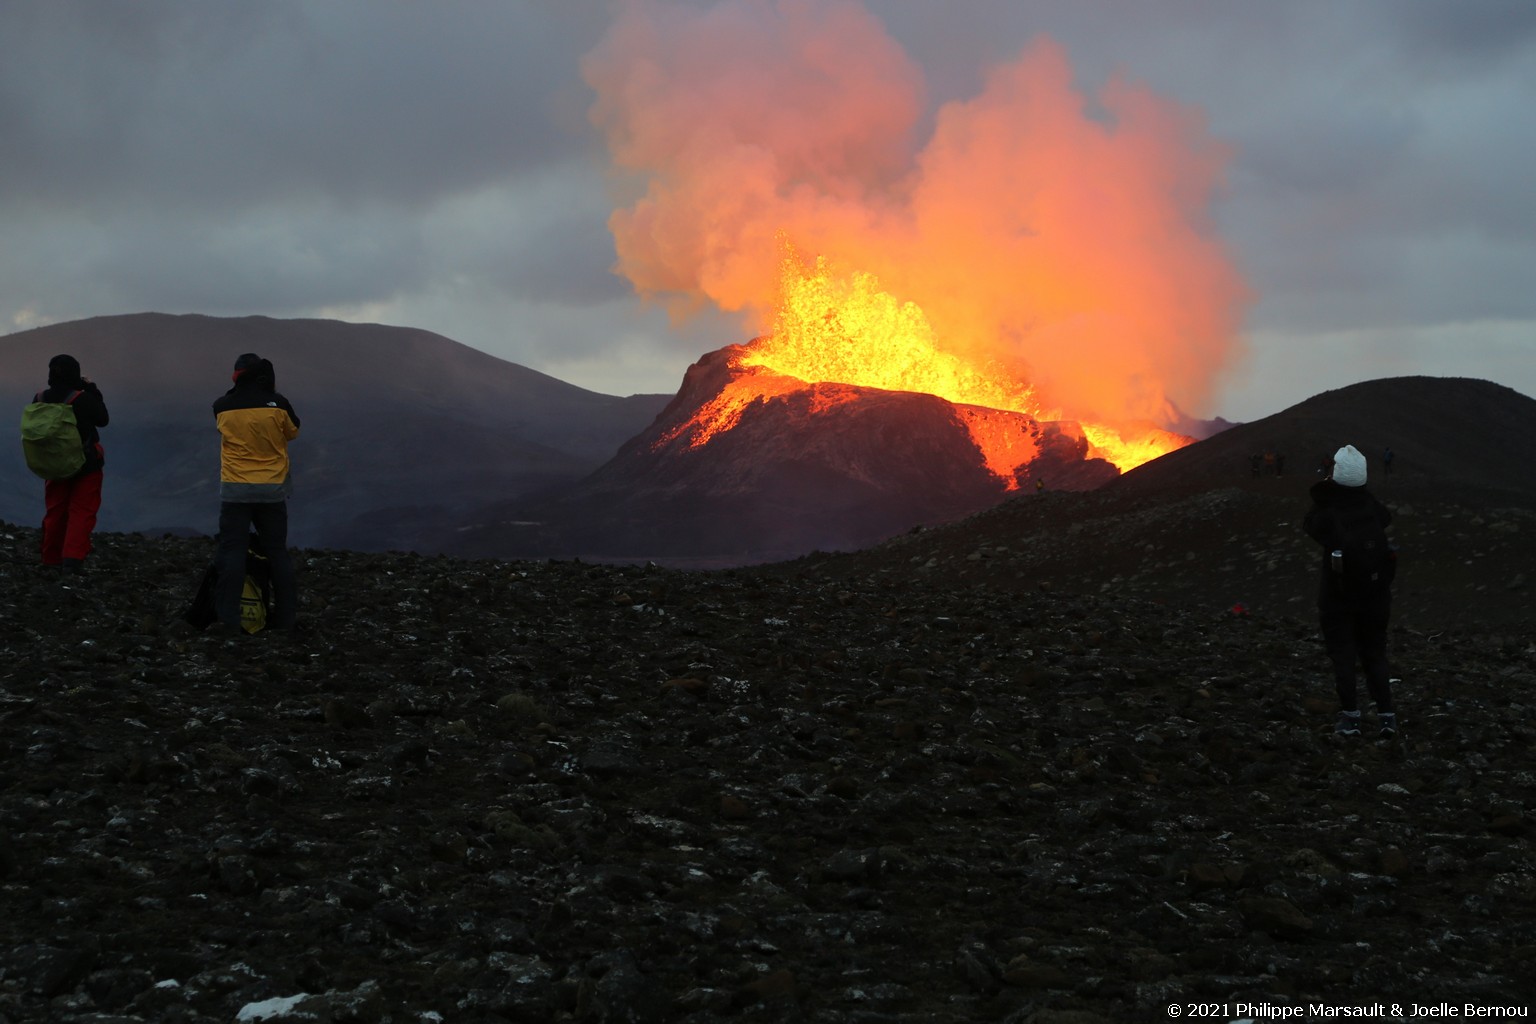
<point x="50" y="438"/>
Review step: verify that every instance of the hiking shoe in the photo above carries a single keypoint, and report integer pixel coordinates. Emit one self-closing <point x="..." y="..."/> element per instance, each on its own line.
<point x="1348" y="724"/>
<point x="1388" y="722"/>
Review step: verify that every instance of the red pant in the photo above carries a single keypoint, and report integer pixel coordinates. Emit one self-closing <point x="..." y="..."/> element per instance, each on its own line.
<point x="70" y="517"/>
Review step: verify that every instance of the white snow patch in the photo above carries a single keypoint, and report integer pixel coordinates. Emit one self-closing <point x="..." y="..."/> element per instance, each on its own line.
<point x="270" y="1007"/>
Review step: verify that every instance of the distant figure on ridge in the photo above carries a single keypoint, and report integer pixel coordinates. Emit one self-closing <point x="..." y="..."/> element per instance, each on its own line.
<point x="255" y="425"/>
<point x="1354" y="599"/>
<point x="61" y="444"/>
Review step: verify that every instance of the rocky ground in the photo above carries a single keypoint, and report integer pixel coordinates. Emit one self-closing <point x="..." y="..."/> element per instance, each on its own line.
<point x="1032" y="769"/>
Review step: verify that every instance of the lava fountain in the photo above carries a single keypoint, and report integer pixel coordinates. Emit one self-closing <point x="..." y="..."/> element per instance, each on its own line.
<point x="1041" y="257"/>
<point x="834" y="328"/>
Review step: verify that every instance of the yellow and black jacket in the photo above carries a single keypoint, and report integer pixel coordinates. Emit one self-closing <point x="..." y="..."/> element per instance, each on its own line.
<point x="256" y="424"/>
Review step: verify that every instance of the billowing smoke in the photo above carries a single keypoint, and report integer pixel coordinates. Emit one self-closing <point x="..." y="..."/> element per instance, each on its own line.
<point x="1063" y="237"/>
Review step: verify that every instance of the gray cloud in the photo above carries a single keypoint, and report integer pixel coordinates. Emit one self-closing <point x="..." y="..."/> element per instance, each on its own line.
<point x="430" y="164"/>
<point x="216" y="105"/>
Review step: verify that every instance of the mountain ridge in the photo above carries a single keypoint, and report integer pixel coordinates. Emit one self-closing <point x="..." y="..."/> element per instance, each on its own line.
<point x="555" y="471"/>
<point x="404" y="430"/>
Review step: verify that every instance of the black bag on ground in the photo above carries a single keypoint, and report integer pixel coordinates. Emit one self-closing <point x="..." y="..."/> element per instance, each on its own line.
<point x="203" y="612"/>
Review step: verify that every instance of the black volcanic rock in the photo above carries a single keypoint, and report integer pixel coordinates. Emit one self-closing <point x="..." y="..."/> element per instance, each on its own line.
<point x="404" y="431"/>
<point x="802" y="466"/>
<point x="878" y="787"/>
<point x="1027" y="766"/>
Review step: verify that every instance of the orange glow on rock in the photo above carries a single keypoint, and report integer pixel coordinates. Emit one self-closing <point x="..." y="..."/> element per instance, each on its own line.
<point x="1005" y="440"/>
<point x="1128" y="448"/>
<point x="724" y="410"/>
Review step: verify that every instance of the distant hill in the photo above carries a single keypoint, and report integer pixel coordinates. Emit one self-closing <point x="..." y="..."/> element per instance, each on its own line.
<point x="404" y="431"/>
<point x="1445" y="432"/>
<point x="1197" y="529"/>
<point x="415" y="442"/>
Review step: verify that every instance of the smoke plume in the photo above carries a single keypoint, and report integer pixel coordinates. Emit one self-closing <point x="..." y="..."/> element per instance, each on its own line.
<point x="1064" y="238"/>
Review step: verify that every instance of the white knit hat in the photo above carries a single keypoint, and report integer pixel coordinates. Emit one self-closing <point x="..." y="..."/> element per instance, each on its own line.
<point x="1349" y="467"/>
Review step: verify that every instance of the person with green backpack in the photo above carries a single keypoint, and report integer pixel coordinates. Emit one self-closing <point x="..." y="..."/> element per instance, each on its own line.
<point x="60" y="439"/>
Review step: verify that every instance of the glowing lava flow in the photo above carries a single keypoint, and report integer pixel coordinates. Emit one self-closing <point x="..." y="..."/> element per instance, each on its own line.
<point x="832" y="333"/>
<point x="846" y="329"/>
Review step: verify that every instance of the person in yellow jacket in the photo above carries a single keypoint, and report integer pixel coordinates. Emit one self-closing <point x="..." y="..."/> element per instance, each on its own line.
<point x="255" y="425"/>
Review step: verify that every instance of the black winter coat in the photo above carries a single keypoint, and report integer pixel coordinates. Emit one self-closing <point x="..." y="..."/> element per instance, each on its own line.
<point x="1322" y="525"/>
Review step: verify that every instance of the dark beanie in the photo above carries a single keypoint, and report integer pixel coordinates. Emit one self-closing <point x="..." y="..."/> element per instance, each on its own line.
<point x="252" y="371"/>
<point x="63" y="370"/>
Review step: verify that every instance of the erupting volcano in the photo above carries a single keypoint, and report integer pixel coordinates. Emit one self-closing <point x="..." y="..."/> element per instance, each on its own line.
<point x="845" y="330"/>
<point x="1031" y="296"/>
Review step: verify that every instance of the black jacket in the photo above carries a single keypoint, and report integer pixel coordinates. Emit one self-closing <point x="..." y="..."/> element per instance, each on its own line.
<point x="1323" y="526"/>
<point x="90" y="414"/>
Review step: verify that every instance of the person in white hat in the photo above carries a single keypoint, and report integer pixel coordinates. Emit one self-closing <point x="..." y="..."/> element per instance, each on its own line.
<point x="1354" y="600"/>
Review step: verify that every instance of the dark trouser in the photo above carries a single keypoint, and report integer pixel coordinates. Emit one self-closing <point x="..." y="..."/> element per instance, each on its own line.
<point x="1358" y="633"/>
<point x="270" y="519"/>
<point x="70" y="516"/>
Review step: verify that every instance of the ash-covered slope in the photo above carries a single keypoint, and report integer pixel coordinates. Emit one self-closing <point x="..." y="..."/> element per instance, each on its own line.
<point x="1445" y="432"/>
<point x="494" y="792"/>
<point x="748" y="466"/>
<point x="1197" y="529"/>
<point x="404" y="430"/>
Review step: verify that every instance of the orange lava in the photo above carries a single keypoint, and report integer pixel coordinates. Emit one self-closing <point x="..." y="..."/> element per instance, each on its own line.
<point x="844" y="328"/>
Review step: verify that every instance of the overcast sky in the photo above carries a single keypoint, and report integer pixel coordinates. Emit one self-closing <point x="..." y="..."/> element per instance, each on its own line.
<point x="432" y="165"/>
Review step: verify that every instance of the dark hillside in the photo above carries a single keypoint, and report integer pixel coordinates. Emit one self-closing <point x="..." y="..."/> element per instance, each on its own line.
<point x="1025" y="768"/>
<point x="404" y="430"/>
<point x="1196" y="529"/>
<point x="1448" y="433"/>
<point x="887" y="791"/>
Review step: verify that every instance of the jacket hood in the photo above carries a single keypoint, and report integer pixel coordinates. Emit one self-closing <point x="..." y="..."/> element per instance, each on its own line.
<point x="254" y="374"/>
